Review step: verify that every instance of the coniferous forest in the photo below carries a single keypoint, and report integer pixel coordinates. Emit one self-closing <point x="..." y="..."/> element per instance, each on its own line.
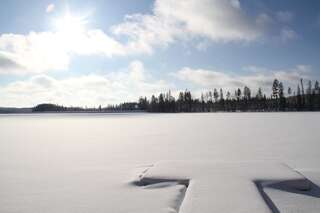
<point x="218" y="100"/>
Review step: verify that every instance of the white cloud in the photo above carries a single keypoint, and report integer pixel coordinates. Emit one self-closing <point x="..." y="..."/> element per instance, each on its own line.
<point x="89" y="90"/>
<point x="42" y="52"/>
<point x="205" y="21"/>
<point x="146" y="31"/>
<point x="137" y="71"/>
<point x="171" y="20"/>
<point x="35" y="53"/>
<point x="258" y="77"/>
<point x="135" y="81"/>
<point x="218" y="20"/>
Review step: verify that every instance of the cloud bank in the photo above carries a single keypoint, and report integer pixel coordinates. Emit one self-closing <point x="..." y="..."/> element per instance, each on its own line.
<point x="41" y="52"/>
<point x="257" y="77"/>
<point x="170" y="21"/>
<point x="85" y="90"/>
<point x="135" y="81"/>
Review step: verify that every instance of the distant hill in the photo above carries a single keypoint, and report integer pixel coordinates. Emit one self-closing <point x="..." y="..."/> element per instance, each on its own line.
<point x="6" y="110"/>
<point x="49" y="108"/>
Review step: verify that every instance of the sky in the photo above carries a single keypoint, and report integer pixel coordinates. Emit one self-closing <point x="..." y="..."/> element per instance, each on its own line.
<point x="100" y="52"/>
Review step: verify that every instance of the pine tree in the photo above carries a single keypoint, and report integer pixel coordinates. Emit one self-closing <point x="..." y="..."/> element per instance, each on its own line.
<point x="316" y="88"/>
<point x="289" y="91"/>
<point x="247" y="93"/>
<point x="153" y="104"/>
<point x="228" y="95"/>
<point x="221" y="95"/>
<point x="302" y="94"/>
<point x="215" y="95"/>
<point x="275" y="89"/>
<point x="238" y="94"/>
<point x="317" y="95"/>
<point x="281" y="96"/>
<point x="202" y="103"/>
<point x="309" y="89"/>
<point x="299" y="98"/>
<point x="281" y="93"/>
<point x="259" y="95"/>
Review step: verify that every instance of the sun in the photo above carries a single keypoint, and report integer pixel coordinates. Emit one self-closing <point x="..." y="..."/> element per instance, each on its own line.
<point x="70" y="31"/>
<point x="69" y="24"/>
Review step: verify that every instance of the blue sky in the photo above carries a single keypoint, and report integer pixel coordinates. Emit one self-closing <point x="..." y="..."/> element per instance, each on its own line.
<point x="89" y="53"/>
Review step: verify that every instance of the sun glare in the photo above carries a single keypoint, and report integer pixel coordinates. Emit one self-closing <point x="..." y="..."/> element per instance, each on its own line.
<point x="70" y="25"/>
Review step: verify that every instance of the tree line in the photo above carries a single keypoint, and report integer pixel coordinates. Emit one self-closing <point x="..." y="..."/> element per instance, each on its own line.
<point x="241" y="99"/>
<point x="123" y="107"/>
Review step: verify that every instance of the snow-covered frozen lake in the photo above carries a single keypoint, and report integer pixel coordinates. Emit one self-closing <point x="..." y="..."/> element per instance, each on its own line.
<point x="89" y="162"/>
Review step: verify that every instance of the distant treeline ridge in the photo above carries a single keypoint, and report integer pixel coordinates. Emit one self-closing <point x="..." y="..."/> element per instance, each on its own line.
<point x="217" y="100"/>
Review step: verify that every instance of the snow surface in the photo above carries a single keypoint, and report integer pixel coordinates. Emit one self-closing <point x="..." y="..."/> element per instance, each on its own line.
<point x="95" y="163"/>
<point x="207" y="180"/>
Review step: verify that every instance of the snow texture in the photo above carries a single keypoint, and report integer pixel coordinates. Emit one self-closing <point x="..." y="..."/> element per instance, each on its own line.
<point x="234" y="180"/>
<point x="160" y="163"/>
